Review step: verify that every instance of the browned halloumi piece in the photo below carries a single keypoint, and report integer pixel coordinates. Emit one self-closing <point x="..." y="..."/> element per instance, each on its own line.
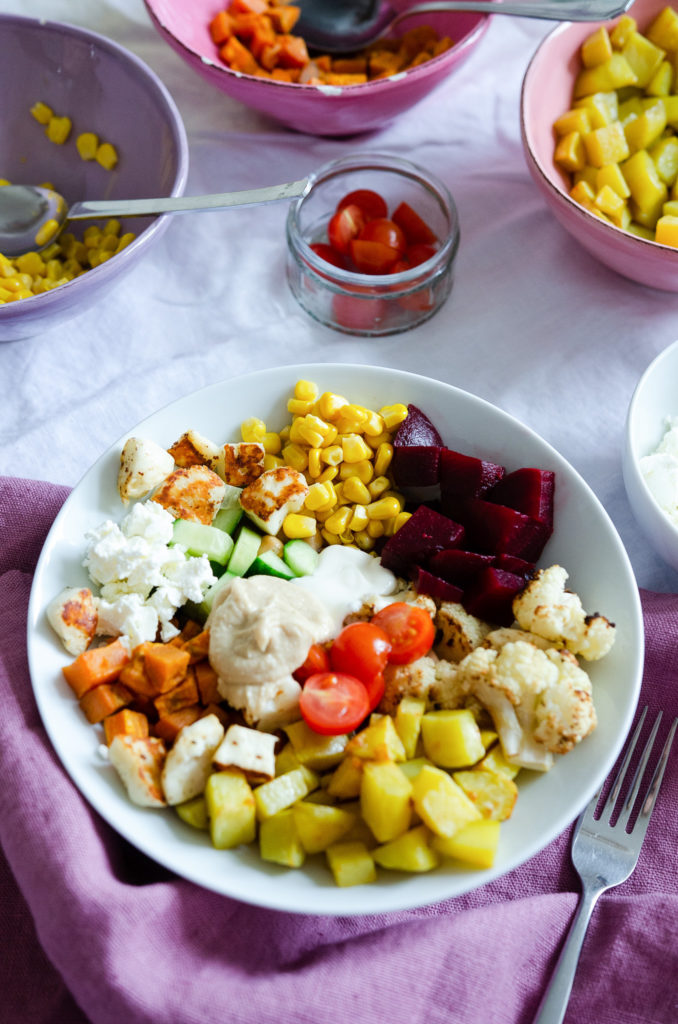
<point x="192" y="449"/>
<point x="272" y="496"/>
<point x="194" y="493"/>
<point x="73" y="616"/>
<point x="241" y="464"/>
<point x="139" y="762"/>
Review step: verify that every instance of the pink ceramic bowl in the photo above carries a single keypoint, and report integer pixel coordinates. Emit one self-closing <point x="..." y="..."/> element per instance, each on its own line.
<point x="546" y="94"/>
<point x="104" y="89"/>
<point x="318" y="110"/>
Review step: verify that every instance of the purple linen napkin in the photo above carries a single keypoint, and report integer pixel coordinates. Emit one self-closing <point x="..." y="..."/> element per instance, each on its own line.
<point x="114" y="937"/>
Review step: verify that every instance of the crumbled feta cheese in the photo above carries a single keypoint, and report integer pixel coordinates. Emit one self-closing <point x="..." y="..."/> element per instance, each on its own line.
<point x="660" y="472"/>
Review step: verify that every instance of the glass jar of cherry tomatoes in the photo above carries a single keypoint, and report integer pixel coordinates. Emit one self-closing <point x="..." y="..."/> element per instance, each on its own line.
<point x="372" y="244"/>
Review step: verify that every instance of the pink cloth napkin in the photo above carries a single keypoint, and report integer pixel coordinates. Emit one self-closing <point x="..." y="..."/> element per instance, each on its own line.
<point x="90" y="930"/>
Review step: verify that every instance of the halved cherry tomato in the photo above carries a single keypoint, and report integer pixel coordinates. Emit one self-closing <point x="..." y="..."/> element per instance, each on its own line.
<point x="332" y="703"/>
<point x="415" y="229"/>
<point x="358" y="314"/>
<point x="385" y="231"/>
<point x="362" y="650"/>
<point x="419" y="253"/>
<point x="343" y="226"/>
<point x="372" y="257"/>
<point x="371" y="203"/>
<point x="327" y="253"/>
<point x="317" y="660"/>
<point x="410" y="630"/>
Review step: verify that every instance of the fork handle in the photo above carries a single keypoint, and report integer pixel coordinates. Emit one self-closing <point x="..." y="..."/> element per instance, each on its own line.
<point x="557" y="995"/>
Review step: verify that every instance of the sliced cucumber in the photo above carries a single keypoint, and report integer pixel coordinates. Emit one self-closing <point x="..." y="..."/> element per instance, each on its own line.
<point x="301" y="558"/>
<point x="200" y="539"/>
<point x="231" y="498"/>
<point x="270" y="564"/>
<point x="202" y="610"/>
<point x="245" y="551"/>
<point x="227" y="519"/>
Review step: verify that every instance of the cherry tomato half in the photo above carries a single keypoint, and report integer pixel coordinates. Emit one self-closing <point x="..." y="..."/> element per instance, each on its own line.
<point x="419" y="253"/>
<point x="327" y="253"/>
<point x="385" y="231"/>
<point x="372" y="257"/>
<point x="358" y="314"/>
<point x="343" y="226"/>
<point x="371" y="203"/>
<point x="362" y="650"/>
<point x="332" y="703"/>
<point x="410" y="630"/>
<point x="317" y="660"/>
<point x="415" y="228"/>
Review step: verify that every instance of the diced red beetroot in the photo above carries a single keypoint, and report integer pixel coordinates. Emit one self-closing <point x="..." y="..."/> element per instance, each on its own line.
<point x="513" y="564"/>
<point x="527" y="490"/>
<point x="417" y="429"/>
<point x="415" y="465"/>
<point x="498" y="529"/>
<point x="439" y="590"/>
<point x="458" y="566"/>
<point x="491" y="596"/>
<point x="424" y="533"/>
<point x="464" y="476"/>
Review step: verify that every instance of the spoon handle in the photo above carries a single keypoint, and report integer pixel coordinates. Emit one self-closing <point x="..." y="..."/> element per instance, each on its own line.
<point x="549" y="10"/>
<point x="183" y="204"/>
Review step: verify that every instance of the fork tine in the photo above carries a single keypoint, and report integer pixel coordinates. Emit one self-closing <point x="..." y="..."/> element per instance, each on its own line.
<point x="650" y="798"/>
<point x="613" y="795"/>
<point x="637" y="780"/>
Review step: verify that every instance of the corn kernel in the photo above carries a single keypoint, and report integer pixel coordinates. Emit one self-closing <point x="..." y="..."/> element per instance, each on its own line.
<point x="50" y="252"/>
<point x="42" y="113"/>
<point x="373" y="425"/>
<point x="91" y="236"/>
<point x="359" y="519"/>
<point x="363" y="470"/>
<point x="306" y="390"/>
<point x="363" y="541"/>
<point x="87" y="144"/>
<point x="333" y="455"/>
<point x="109" y="243"/>
<point x="125" y="240"/>
<point x="330" y="538"/>
<point x="400" y="520"/>
<point x="356" y="491"/>
<point x="295" y="434"/>
<point x="296" y="526"/>
<point x="330" y="405"/>
<point x="319" y="497"/>
<point x="338" y="521"/>
<point x="339" y="497"/>
<point x="330" y="473"/>
<point x="295" y="456"/>
<point x="299" y="407"/>
<point x="393" y="415"/>
<point x="30" y="263"/>
<point x="346" y="538"/>
<point x="378" y="486"/>
<point x="253" y="430"/>
<point x="5" y="181"/>
<point x="354" y="448"/>
<point x="272" y="461"/>
<point x="383" y="458"/>
<point x="271" y="442"/>
<point x="323" y="514"/>
<point x="106" y="156"/>
<point x="47" y="231"/>
<point x="350" y="420"/>
<point x="384" y="508"/>
<point x="58" y="129"/>
<point x="307" y="433"/>
<point x="375" y="528"/>
<point x="315" y="465"/>
<point x="112" y="226"/>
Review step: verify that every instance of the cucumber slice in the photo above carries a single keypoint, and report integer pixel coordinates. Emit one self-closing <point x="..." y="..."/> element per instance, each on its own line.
<point x="301" y="558"/>
<point x="231" y="498"/>
<point x="245" y="551"/>
<point x="270" y="564"/>
<point x="227" y="519"/>
<point x="202" y="610"/>
<point x="200" y="539"/>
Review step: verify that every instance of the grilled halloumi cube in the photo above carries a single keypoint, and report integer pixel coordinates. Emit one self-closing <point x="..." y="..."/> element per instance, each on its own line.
<point x="271" y="497"/>
<point x="192" y="449"/>
<point x="73" y="617"/>
<point x="143" y="466"/>
<point x="241" y="464"/>
<point x="249" y="750"/>
<point x="139" y="761"/>
<point x="194" y="493"/>
<point x="189" y="762"/>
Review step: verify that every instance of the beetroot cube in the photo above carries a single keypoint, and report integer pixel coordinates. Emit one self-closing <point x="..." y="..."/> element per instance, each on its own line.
<point x="498" y="529"/>
<point x="464" y="476"/>
<point x="417" y="429"/>
<point x="424" y="533"/>
<point x="491" y="596"/>
<point x="527" y="490"/>
<point x="513" y="564"/>
<point x="439" y="590"/>
<point x="458" y="566"/>
<point x="415" y="465"/>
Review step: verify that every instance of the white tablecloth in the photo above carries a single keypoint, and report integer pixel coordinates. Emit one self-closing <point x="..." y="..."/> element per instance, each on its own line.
<point x="533" y="324"/>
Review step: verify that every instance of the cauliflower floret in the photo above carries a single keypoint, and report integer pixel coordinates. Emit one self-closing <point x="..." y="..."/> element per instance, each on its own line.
<point x="546" y="608"/>
<point x="565" y="713"/>
<point x="509" y="634"/>
<point x="413" y="680"/>
<point x="460" y="632"/>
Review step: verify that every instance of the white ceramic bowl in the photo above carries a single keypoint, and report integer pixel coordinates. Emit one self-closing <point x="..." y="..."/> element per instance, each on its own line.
<point x="655" y="398"/>
<point x="584" y="541"/>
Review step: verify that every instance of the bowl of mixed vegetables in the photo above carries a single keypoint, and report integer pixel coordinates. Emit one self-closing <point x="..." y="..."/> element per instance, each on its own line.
<point x="248" y="49"/>
<point x="335" y="639"/>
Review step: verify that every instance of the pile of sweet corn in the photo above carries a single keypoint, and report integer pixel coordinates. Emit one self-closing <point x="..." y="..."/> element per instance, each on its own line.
<point x="344" y="450"/>
<point x="58" y="129"/>
<point x="37" y="272"/>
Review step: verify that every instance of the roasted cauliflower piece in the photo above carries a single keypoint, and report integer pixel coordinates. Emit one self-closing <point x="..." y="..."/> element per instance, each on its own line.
<point x="413" y="680"/>
<point x="460" y="632"/>
<point x="546" y="608"/>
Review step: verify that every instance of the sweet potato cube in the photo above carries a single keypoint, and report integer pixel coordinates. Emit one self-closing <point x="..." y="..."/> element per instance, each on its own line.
<point x="221" y="27"/>
<point x="284" y="17"/>
<point x="96" y="666"/>
<point x="126" y="723"/>
<point x="181" y="696"/>
<point x="207" y="682"/>
<point x="165" y="665"/>
<point x="169" y="727"/>
<point x="198" y="646"/>
<point x="104" y="700"/>
<point x="293" y="52"/>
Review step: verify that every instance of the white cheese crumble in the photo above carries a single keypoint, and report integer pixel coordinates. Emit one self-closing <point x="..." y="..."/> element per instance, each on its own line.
<point x="660" y="471"/>
<point x="142" y="579"/>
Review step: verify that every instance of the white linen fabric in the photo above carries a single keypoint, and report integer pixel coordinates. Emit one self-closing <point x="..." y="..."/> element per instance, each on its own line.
<point x="534" y="324"/>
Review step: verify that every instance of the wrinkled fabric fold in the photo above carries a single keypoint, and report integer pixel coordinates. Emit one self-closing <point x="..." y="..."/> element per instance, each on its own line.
<point x="94" y="931"/>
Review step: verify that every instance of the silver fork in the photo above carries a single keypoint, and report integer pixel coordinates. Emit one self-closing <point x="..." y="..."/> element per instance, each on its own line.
<point x="605" y="855"/>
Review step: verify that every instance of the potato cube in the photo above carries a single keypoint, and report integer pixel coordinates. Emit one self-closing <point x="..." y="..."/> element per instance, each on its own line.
<point x="286" y="760"/>
<point x="284" y="791"/>
<point x="315" y="751"/>
<point x="441" y="803"/>
<point x="570" y="153"/>
<point x="602" y="108"/>
<point x="346" y="779"/>
<point x="662" y="80"/>
<point x="320" y="826"/>
<point x="475" y="844"/>
<point x="667" y="231"/>
<point x="606" y="145"/>
<point x="385" y="801"/>
<point x="647" y="189"/>
<point x="408" y="723"/>
<point x="613" y="206"/>
<point x="622" y="30"/>
<point x="194" y="812"/>
<point x="596" y="48"/>
<point x="495" y="761"/>
<point x="665" y="156"/>
<point x="645" y="129"/>
<point x="612" y="176"/>
<point x="231" y="809"/>
<point x="378" y="742"/>
<point x="671" y="108"/>
<point x="574" y="121"/>
<point x="452" y="738"/>
<point x="643" y="57"/>
<point x="279" y="840"/>
<point x="583" y="194"/>
<point x="615" y="73"/>
<point x="663" y="31"/>
<point x="493" y="793"/>
<point x="412" y="768"/>
<point x="409" y="852"/>
<point x="351" y="863"/>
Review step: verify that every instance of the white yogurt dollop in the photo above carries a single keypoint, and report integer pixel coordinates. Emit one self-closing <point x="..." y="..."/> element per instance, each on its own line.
<point x="345" y="578"/>
<point x="660" y="471"/>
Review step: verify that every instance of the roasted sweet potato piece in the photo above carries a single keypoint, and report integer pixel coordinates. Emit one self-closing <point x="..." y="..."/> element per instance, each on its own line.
<point x="165" y="665"/>
<point x="182" y="696"/>
<point x="198" y="646"/>
<point x="125" y="722"/>
<point x="206" y="680"/>
<point x="105" y="700"/>
<point x="96" y="666"/>
<point x="168" y="728"/>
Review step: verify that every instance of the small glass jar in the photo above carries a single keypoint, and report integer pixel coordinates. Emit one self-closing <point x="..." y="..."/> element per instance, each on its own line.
<point x="371" y="304"/>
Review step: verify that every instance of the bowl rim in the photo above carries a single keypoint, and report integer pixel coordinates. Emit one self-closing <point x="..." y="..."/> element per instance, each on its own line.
<point x="557" y="191"/>
<point x="41" y="303"/>
<point x="472" y="36"/>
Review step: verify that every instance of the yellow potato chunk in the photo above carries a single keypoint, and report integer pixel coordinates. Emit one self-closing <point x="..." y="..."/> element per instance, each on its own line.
<point x="602" y="108"/>
<point x="575" y="120"/>
<point x="612" y="176"/>
<point x="409" y="852"/>
<point x="315" y="751"/>
<point x="279" y="840"/>
<point x="647" y="190"/>
<point x="665" y="156"/>
<point x="667" y="231"/>
<point x="408" y="723"/>
<point x="596" y="48"/>
<point x="346" y="779"/>
<point x="231" y="809"/>
<point x="194" y="812"/>
<point x="441" y="803"/>
<point x="622" y="30"/>
<point x="452" y="739"/>
<point x="643" y="57"/>
<point x="663" y="31"/>
<point x="662" y="80"/>
<point x="613" y="206"/>
<point x="570" y="153"/>
<point x="378" y="742"/>
<point x="615" y="73"/>
<point x="645" y="129"/>
<point x="284" y="791"/>
<point x="606" y="145"/>
<point x="476" y="844"/>
<point x="319" y="826"/>
<point x="493" y="793"/>
<point x="385" y="799"/>
<point x="351" y="863"/>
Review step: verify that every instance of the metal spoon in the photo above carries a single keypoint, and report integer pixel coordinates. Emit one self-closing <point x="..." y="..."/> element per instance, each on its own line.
<point x="26" y="209"/>
<point x="342" y="28"/>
